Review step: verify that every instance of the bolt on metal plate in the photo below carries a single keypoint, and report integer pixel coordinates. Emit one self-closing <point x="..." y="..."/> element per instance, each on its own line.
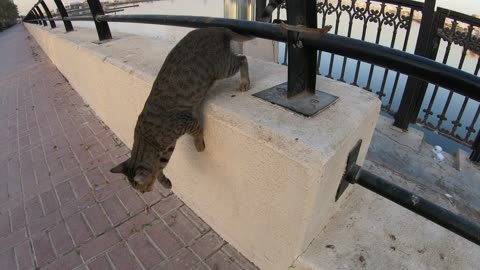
<point x="304" y="104"/>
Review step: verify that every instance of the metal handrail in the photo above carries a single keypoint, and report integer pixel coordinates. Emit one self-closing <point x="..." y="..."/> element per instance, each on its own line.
<point x="413" y="65"/>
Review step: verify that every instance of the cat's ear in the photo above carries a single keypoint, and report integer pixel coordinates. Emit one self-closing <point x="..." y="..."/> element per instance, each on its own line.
<point x="120" y="168"/>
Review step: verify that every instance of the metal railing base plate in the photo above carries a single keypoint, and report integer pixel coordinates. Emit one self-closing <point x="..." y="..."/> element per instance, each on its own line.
<point x="305" y="104"/>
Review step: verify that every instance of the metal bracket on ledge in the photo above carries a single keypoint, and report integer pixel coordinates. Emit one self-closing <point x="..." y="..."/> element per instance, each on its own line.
<point x="351" y="170"/>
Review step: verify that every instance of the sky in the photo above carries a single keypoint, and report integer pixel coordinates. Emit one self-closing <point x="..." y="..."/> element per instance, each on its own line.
<point x="465" y="6"/>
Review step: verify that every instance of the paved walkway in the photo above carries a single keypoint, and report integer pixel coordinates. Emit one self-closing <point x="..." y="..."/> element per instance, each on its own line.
<point x="60" y="208"/>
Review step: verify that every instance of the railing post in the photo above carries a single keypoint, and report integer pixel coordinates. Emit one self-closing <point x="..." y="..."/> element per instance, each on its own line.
<point x="103" y="30"/>
<point x="39" y="20"/>
<point x="302" y="62"/>
<point x="31" y="16"/>
<point x="63" y="12"/>
<point x="415" y="89"/>
<point x="475" y="156"/>
<point x="49" y="15"/>
<point x="259" y="7"/>
<point x="41" y="15"/>
<point x="35" y="17"/>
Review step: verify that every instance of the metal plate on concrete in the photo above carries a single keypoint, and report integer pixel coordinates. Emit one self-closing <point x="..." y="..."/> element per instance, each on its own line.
<point x="304" y="104"/>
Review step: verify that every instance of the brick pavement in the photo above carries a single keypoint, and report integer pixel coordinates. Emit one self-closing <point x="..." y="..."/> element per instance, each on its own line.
<point x="60" y="208"/>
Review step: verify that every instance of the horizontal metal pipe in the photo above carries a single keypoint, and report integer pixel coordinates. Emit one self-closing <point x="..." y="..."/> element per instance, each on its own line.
<point x="258" y="29"/>
<point x="413" y="65"/>
<point x="114" y="10"/>
<point x="414" y="4"/>
<point x="79" y="18"/>
<point x="418" y="205"/>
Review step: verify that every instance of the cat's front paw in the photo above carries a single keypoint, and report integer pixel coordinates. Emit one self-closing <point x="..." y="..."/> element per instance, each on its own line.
<point x="244" y="85"/>
<point x="165" y="182"/>
<point x="200" y="145"/>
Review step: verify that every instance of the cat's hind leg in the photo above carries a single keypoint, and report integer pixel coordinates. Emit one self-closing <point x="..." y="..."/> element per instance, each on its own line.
<point x="193" y="126"/>
<point x="235" y="63"/>
<point x="196" y="130"/>
<point x="244" y="77"/>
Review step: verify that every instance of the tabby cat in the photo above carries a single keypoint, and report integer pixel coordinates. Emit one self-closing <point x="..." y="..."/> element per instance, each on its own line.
<point x="173" y="106"/>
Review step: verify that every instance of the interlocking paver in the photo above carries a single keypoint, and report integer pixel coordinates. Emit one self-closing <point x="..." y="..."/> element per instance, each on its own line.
<point x="197" y="221"/>
<point x="99" y="244"/>
<point x="115" y="210"/>
<point x="230" y="251"/>
<point x="179" y="224"/>
<point x="62" y="242"/>
<point x="79" y="229"/>
<point x="13" y="239"/>
<point x="148" y="255"/>
<point x="34" y="208"/>
<point x="208" y="244"/>
<point x="43" y="250"/>
<point x="122" y="258"/>
<point x="7" y="259"/>
<point x="65" y="193"/>
<point x="220" y="260"/>
<point x="69" y="261"/>
<point x="44" y="223"/>
<point x="167" y="205"/>
<point x="165" y="240"/>
<point x="4" y="224"/>
<point x="97" y="219"/>
<point x="24" y="256"/>
<point x="136" y="224"/>
<point x="131" y="200"/>
<point x="60" y="207"/>
<point x="49" y="201"/>
<point x="152" y="197"/>
<point x="99" y="263"/>
<point x="201" y="266"/>
<point x="184" y="260"/>
<point x="80" y="186"/>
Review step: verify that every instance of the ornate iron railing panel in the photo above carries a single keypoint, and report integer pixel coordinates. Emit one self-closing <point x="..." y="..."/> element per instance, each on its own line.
<point x="459" y="46"/>
<point x="385" y="22"/>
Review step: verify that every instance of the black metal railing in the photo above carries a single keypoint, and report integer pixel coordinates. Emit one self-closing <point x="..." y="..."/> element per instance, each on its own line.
<point x="461" y="34"/>
<point x="416" y="67"/>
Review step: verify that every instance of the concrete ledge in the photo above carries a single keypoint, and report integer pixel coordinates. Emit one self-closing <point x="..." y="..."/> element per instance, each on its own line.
<point x="268" y="177"/>
<point x="413" y="137"/>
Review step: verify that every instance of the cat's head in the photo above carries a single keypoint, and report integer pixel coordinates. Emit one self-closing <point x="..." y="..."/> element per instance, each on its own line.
<point x="140" y="177"/>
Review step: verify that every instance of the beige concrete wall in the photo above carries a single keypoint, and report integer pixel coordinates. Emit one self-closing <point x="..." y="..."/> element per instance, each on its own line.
<point x="268" y="177"/>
